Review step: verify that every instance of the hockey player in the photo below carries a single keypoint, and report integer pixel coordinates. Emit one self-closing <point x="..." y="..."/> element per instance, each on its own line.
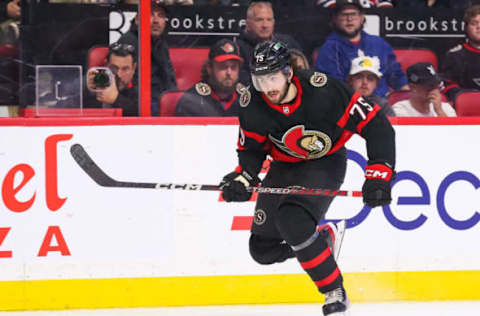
<point x="302" y="120"/>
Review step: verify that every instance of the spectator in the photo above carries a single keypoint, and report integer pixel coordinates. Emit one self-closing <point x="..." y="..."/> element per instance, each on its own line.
<point x="364" y="77"/>
<point x="260" y="25"/>
<point x="425" y="97"/>
<point x="298" y="60"/>
<point x="163" y="74"/>
<point x="346" y="42"/>
<point x="365" y="3"/>
<point x="461" y="66"/>
<point x="10" y="13"/>
<point x="122" y="92"/>
<point x="218" y="92"/>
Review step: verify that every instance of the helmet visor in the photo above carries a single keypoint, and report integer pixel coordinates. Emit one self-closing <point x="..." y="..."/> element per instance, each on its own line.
<point x="269" y="82"/>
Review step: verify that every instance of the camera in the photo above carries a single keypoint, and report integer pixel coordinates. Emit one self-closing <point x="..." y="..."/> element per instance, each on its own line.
<point x="99" y="78"/>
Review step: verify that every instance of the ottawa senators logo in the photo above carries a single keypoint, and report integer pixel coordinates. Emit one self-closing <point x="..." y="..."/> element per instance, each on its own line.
<point x="245" y="98"/>
<point x="318" y="79"/>
<point x="203" y="88"/>
<point x="298" y="142"/>
<point x="240" y="87"/>
<point x="260" y="217"/>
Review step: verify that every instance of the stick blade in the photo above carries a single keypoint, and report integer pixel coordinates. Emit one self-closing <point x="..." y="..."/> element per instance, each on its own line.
<point x="90" y="167"/>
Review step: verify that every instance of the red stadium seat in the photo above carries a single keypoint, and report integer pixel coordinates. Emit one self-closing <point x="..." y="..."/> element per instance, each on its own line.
<point x="396" y="96"/>
<point x="188" y="63"/>
<point x="8" y="50"/>
<point x="168" y="102"/>
<point x="408" y="57"/>
<point x="468" y="103"/>
<point x="97" y="56"/>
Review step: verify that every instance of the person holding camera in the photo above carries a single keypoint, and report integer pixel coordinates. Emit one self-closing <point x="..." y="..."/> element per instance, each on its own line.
<point x="113" y="85"/>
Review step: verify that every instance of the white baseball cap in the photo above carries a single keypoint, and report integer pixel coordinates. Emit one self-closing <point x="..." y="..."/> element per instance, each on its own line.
<point x="366" y="63"/>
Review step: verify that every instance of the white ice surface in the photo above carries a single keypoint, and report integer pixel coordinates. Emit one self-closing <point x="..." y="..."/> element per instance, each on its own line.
<point x="461" y="308"/>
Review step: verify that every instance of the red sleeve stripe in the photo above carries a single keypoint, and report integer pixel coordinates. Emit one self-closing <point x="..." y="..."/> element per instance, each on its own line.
<point x="341" y="141"/>
<point x="328" y="280"/>
<point x="259" y="138"/>
<point x="370" y="116"/>
<point x="344" y="119"/>
<point x="317" y="260"/>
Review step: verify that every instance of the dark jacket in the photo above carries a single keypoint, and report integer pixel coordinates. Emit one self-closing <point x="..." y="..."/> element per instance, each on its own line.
<point x="247" y="43"/>
<point x="201" y="100"/>
<point x="162" y="72"/>
<point x="3" y="10"/>
<point x="461" y="69"/>
<point x="127" y="100"/>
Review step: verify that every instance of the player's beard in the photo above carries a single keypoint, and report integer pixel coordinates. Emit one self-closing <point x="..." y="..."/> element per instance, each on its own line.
<point x="347" y="34"/>
<point x="281" y="95"/>
<point x="220" y="87"/>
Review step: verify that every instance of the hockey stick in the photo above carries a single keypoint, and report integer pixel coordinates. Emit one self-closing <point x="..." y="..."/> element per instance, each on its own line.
<point x="101" y="178"/>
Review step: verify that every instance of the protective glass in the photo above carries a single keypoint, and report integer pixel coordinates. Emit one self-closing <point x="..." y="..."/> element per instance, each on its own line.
<point x="269" y="82"/>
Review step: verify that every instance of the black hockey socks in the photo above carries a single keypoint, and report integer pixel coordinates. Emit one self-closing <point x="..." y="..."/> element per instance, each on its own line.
<point x="266" y="250"/>
<point x="312" y="251"/>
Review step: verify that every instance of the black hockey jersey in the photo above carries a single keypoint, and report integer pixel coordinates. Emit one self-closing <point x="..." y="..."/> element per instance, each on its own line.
<point x="461" y="68"/>
<point x="201" y="100"/>
<point x="318" y="122"/>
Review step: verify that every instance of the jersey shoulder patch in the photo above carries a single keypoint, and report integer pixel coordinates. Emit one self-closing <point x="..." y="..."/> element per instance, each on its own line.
<point x="318" y="79"/>
<point x="245" y="97"/>
<point x="203" y="89"/>
<point x="240" y="87"/>
<point x="456" y="48"/>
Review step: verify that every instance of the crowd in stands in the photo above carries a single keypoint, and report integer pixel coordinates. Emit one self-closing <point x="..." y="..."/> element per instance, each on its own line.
<point x="365" y="62"/>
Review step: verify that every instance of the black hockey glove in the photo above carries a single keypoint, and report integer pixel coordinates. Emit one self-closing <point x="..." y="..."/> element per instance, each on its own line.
<point x="376" y="189"/>
<point x="234" y="185"/>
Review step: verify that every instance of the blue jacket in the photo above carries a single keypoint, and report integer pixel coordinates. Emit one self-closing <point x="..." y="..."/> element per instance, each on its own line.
<point x="336" y="55"/>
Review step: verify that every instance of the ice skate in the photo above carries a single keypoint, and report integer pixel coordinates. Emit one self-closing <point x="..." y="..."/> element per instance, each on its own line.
<point x="336" y="303"/>
<point x="335" y="232"/>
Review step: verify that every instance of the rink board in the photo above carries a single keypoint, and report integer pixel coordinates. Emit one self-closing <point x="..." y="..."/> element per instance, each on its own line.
<point x="66" y="242"/>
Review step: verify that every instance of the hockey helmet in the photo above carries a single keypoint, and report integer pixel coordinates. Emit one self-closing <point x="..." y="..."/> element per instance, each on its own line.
<point x="269" y="57"/>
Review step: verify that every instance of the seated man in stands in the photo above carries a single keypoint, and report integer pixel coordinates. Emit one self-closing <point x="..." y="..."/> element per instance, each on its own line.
<point x="259" y="27"/>
<point x="364" y="77"/>
<point x="425" y="96"/>
<point x="461" y="66"/>
<point x="348" y="40"/>
<point x="163" y="74"/>
<point x="218" y="94"/>
<point x="121" y="93"/>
